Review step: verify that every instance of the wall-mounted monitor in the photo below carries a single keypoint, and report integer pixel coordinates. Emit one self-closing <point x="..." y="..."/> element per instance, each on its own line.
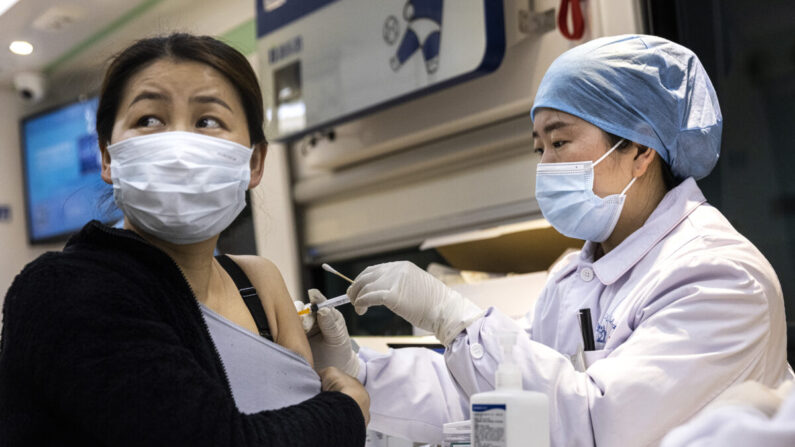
<point x="61" y="163"/>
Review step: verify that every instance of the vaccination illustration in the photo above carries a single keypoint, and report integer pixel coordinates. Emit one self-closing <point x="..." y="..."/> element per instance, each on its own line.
<point x="551" y="247"/>
<point x="423" y="33"/>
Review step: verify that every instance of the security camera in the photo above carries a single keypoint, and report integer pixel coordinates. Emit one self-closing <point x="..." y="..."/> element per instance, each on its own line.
<point x="31" y="86"/>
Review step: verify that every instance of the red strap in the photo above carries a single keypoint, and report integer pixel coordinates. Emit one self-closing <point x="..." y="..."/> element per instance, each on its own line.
<point x="576" y="18"/>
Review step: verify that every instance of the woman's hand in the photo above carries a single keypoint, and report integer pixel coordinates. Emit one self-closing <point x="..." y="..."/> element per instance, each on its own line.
<point x="333" y="379"/>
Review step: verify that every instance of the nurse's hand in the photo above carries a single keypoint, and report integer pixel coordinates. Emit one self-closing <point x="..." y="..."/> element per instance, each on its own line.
<point x="416" y="296"/>
<point x="332" y="379"/>
<point x="329" y="339"/>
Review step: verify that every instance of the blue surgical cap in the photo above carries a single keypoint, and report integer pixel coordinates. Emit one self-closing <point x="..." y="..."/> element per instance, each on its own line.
<point x="643" y="88"/>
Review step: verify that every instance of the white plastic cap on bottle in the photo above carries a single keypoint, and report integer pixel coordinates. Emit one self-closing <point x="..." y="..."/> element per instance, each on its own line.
<point x="508" y="375"/>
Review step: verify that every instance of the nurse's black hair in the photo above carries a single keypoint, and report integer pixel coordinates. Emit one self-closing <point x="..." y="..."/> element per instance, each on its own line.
<point x="669" y="180"/>
<point x="181" y="47"/>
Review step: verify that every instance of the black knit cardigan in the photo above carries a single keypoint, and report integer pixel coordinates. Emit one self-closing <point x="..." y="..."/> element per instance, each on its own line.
<point x="104" y="344"/>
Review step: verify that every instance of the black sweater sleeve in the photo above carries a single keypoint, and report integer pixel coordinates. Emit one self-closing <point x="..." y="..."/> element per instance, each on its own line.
<point x="118" y="373"/>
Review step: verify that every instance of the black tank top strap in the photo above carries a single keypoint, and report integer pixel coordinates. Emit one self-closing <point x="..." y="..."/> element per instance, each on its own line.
<point x="248" y="293"/>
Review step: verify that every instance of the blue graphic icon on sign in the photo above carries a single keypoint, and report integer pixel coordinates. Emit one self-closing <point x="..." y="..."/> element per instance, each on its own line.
<point x="423" y="31"/>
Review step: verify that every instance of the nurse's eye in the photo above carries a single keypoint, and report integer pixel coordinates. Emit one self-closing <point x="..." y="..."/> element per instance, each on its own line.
<point x="539" y="150"/>
<point x="558" y="144"/>
<point x="148" y="121"/>
<point x="209" y="122"/>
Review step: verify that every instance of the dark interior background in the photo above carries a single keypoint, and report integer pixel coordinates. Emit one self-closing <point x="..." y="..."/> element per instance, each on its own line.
<point x="748" y="49"/>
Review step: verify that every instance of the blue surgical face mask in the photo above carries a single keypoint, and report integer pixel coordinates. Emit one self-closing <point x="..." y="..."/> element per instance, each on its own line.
<point x="564" y="192"/>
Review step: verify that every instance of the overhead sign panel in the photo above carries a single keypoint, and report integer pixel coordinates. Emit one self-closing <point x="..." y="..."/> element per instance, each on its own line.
<point x="327" y="61"/>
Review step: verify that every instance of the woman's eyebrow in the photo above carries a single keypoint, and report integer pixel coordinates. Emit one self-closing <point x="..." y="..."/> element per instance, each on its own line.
<point x="210" y="100"/>
<point x="555" y="125"/>
<point x="149" y="95"/>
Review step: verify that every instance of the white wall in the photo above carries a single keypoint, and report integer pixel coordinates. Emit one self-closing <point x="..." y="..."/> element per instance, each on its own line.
<point x="14" y="249"/>
<point x="274" y="224"/>
<point x="272" y="209"/>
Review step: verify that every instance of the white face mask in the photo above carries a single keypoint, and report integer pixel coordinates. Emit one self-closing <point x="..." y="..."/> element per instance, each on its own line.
<point x="181" y="187"/>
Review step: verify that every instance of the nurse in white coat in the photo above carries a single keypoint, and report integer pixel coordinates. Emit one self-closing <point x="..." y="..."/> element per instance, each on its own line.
<point x="683" y="305"/>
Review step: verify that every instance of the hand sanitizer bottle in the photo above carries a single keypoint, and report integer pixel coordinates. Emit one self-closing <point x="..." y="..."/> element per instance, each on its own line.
<point x="509" y="416"/>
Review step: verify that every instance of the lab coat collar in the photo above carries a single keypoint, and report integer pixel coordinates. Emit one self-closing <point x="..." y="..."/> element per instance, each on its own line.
<point x="559" y="270"/>
<point x="672" y="210"/>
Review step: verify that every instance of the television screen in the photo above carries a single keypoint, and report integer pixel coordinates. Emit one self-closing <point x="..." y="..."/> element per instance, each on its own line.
<point x="63" y="187"/>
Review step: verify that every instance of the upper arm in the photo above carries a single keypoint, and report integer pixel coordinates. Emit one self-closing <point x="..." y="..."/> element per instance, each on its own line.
<point x="702" y="328"/>
<point x="282" y="316"/>
<point x="706" y="328"/>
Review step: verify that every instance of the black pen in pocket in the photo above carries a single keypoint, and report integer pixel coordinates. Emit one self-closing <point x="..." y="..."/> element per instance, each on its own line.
<point x="586" y="327"/>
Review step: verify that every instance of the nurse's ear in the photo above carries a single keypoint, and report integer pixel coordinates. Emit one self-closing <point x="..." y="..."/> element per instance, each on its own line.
<point x="257" y="163"/>
<point x="643" y="159"/>
<point x="105" y="173"/>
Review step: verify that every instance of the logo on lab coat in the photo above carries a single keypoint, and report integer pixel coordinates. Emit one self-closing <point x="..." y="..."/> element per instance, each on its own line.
<point x="423" y="32"/>
<point x="605" y="329"/>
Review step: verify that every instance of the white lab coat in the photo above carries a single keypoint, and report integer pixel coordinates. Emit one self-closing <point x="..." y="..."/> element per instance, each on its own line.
<point x="682" y="309"/>
<point x="737" y="426"/>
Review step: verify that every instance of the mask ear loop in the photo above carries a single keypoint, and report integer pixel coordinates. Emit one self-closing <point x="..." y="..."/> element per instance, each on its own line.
<point x="630" y="184"/>
<point x="608" y="152"/>
<point x="623" y="192"/>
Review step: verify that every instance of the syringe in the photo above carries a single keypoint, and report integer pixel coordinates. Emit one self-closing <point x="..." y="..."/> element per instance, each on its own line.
<point x="333" y="302"/>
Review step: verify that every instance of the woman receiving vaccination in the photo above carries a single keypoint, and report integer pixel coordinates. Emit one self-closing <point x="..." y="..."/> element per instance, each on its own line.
<point x="140" y="336"/>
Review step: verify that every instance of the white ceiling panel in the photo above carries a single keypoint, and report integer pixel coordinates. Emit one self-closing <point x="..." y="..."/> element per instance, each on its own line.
<point x="79" y="35"/>
<point x="53" y="28"/>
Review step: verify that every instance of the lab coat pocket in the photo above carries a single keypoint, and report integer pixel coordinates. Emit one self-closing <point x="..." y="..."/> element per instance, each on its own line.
<point x="591" y="357"/>
<point x="583" y="360"/>
<point x="578" y="361"/>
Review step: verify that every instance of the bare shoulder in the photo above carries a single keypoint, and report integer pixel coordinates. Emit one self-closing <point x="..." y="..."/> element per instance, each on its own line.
<point x="267" y="279"/>
<point x="258" y="269"/>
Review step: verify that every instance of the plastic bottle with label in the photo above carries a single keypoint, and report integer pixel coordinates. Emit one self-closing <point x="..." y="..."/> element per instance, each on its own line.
<point x="509" y="416"/>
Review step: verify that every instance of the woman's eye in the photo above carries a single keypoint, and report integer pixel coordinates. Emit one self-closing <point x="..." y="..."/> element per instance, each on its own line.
<point x="558" y="144"/>
<point x="539" y="150"/>
<point x="209" y="123"/>
<point x="149" y="121"/>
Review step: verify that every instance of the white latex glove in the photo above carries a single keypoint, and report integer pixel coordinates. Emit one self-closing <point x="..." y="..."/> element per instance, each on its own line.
<point x="329" y="339"/>
<point x="416" y="296"/>
<point x="307" y="319"/>
<point x="755" y="395"/>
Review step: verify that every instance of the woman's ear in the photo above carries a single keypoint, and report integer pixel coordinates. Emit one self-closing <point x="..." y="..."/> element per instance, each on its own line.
<point x="105" y="173"/>
<point x="642" y="160"/>
<point x="257" y="163"/>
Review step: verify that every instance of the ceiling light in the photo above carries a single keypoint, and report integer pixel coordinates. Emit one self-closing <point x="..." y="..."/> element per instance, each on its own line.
<point x="21" y="47"/>
<point x="5" y="5"/>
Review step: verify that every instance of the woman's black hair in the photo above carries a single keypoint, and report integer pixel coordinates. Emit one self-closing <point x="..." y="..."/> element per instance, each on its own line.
<point x="669" y="180"/>
<point x="185" y="47"/>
